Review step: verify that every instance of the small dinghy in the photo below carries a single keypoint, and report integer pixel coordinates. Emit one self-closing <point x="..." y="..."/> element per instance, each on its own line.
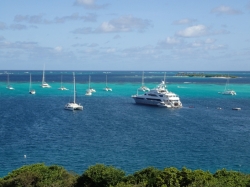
<point x="236" y="108"/>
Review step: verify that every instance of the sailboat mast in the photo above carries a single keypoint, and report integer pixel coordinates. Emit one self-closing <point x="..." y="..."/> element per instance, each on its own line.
<point x="8" y="83"/>
<point x="143" y="78"/>
<point x="61" y="81"/>
<point x="106" y="80"/>
<point x="74" y="87"/>
<point x="30" y="81"/>
<point x="43" y="74"/>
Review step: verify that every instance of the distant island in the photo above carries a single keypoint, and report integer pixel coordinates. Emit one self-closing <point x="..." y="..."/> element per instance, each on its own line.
<point x="191" y="74"/>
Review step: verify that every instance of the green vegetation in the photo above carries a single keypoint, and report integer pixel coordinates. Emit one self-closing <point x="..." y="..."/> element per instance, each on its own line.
<point x="99" y="175"/>
<point x="188" y="74"/>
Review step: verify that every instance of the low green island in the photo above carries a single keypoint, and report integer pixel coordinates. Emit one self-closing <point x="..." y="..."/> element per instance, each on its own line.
<point x="191" y="74"/>
<point x="99" y="175"/>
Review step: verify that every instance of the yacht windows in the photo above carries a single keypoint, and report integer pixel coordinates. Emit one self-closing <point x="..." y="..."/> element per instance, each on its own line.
<point x="152" y="95"/>
<point x="151" y="99"/>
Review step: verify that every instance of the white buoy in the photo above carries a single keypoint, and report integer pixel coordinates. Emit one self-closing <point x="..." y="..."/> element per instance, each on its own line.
<point x="24" y="156"/>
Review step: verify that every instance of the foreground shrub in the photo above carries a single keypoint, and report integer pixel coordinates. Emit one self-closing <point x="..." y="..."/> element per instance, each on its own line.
<point x="101" y="176"/>
<point x="39" y="175"/>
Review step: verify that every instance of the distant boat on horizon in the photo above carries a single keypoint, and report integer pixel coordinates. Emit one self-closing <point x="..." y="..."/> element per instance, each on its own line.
<point x="62" y="87"/>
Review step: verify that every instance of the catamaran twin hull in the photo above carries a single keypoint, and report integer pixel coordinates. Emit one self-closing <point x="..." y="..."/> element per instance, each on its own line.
<point x="73" y="106"/>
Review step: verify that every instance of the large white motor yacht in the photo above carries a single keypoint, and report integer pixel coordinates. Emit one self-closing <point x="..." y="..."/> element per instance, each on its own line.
<point x="159" y="96"/>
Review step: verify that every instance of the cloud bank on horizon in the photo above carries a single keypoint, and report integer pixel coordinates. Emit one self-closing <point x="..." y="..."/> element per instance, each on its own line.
<point x="125" y="35"/>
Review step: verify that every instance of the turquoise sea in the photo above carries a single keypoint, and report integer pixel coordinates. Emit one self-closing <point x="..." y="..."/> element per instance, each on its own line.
<point x="113" y="130"/>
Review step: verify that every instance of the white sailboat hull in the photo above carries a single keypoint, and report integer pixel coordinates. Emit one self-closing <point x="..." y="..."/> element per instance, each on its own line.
<point x="73" y="106"/>
<point x="229" y="92"/>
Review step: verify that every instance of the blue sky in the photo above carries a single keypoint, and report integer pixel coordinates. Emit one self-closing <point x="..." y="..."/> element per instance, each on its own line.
<point x="181" y="35"/>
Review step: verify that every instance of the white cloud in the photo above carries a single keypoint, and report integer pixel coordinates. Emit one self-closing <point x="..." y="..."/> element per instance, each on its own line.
<point x="88" y="18"/>
<point x="209" y="41"/>
<point x="58" y="49"/>
<point x="125" y="24"/>
<point x="225" y="10"/>
<point x="111" y="50"/>
<point x="35" y="19"/>
<point x="171" y="40"/>
<point x="122" y="24"/>
<point x="85" y="2"/>
<point x="39" y="19"/>
<point x="184" y="21"/>
<point x="193" y="31"/>
<point x="89" y="4"/>
<point x="107" y="27"/>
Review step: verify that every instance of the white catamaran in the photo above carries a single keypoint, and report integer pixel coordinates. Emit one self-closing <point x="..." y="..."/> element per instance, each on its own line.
<point x="44" y="84"/>
<point x="73" y="105"/>
<point x="143" y="87"/>
<point x="107" y="88"/>
<point x="89" y="91"/>
<point x="31" y="91"/>
<point x="62" y="87"/>
<point x="228" y="91"/>
<point x="8" y="83"/>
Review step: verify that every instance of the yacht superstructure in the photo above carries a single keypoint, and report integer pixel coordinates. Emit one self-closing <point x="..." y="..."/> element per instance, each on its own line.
<point x="159" y="96"/>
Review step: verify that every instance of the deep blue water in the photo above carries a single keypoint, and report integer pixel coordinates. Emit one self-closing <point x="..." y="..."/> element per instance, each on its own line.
<point x="113" y="130"/>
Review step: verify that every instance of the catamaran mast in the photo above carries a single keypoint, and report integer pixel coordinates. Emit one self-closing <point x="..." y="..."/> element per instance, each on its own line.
<point x="74" y="87"/>
<point x="43" y="74"/>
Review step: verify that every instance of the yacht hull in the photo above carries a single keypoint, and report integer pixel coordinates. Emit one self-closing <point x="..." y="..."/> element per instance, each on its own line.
<point x="159" y="103"/>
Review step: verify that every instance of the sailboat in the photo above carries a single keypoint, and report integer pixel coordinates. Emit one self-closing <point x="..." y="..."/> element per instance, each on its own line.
<point x="88" y="91"/>
<point x="228" y="91"/>
<point x="44" y="84"/>
<point x="73" y="105"/>
<point x="62" y="87"/>
<point x="31" y="91"/>
<point x="8" y="83"/>
<point x="107" y="88"/>
<point x="143" y="88"/>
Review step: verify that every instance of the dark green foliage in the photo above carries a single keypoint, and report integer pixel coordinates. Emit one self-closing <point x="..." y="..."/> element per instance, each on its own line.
<point x="39" y="175"/>
<point x="150" y="177"/>
<point x="99" y="175"/>
<point x="231" y="178"/>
